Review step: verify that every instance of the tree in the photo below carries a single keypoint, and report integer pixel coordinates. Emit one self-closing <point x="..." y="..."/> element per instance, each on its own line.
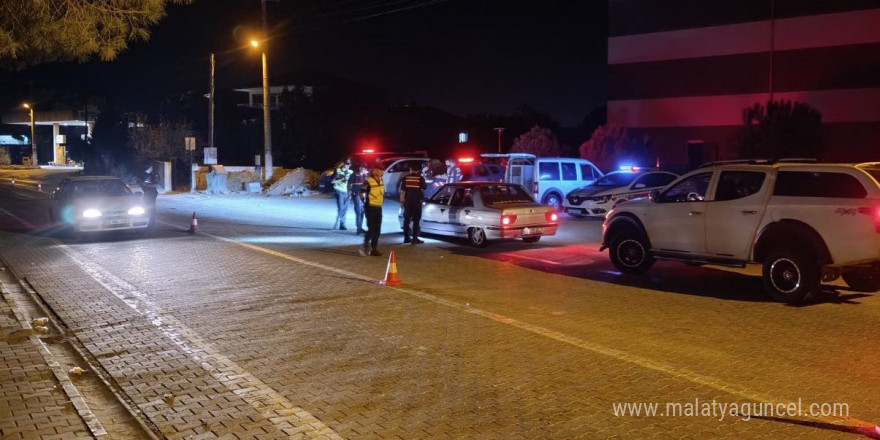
<point x="538" y="141"/>
<point x="38" y="31"/>
<point x="611" y="144"/>
<point x="780" y="129"/>
<point x="161" y="141"/>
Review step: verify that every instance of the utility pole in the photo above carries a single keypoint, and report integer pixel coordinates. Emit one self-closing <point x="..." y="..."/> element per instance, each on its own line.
<point x="30" y="109"/>
<point x="211" y="106"/>
<point x="267" y="127"/>
<point x="499" y="130"/>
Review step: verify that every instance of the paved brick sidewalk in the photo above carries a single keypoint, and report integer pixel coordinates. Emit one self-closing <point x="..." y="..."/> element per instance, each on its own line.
<point x="255" y="346"/>
<point x="33" y="404"/>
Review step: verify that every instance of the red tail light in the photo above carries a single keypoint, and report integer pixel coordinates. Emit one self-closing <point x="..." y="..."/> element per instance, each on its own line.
<point x="873" y="212"/>
<point x="507" y="220"/>
<point x="552" y="216"/>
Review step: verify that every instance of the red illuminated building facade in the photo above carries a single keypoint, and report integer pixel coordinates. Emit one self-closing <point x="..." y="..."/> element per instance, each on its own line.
<point x="683" y="71"/>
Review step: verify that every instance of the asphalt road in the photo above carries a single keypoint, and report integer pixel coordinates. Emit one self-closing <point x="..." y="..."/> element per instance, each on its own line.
<point x="511" y="341"/>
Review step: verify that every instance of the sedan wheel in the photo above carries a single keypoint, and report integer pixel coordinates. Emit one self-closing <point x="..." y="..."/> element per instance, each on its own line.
<point x="477" y="237"/>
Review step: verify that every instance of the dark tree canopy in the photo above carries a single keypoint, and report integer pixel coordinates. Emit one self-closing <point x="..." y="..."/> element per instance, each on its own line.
<point x="780" y="129"/>
<point x="38" y="31"/>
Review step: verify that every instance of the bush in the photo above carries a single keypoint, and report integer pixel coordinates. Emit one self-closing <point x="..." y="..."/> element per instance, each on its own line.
<point x="611" y="144"/>
<point x="538" y="141"/>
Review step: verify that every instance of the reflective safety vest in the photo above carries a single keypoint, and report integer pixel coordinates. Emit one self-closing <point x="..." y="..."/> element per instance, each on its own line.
<point x="375" y="190"/>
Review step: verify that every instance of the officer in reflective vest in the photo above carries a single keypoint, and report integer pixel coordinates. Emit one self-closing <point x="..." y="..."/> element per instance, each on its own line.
<point x="411" y="195"/>
<point x="373" y="193"/>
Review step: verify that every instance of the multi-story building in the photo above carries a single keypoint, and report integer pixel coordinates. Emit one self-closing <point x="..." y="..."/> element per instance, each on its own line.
<point x="683" y="71"/>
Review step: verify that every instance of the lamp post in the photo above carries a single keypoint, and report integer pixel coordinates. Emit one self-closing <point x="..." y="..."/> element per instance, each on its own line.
<point x="33" y="140"/>
<point x="267" y="127"/>
<point x="499" y="130"/>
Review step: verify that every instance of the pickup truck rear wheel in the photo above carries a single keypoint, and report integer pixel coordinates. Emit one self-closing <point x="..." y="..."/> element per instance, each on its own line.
<point x="629" y="253"/>
<point x="789" y="276"/>
<point x="863" y="280"/>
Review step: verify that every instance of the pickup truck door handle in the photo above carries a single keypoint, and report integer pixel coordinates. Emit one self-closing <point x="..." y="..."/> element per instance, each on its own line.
<point x="749" y="212"/>
<point x="694" y="213"/>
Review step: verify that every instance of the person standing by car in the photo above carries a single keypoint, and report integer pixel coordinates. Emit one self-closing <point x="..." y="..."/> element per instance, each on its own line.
<point x="411" y="195"/>
<point x="340" y="191"/>
<point x="151" y="193"/>
<point x="354" y="194"/>
<point x="453" y="172"/>
<point x="373" y="193"/>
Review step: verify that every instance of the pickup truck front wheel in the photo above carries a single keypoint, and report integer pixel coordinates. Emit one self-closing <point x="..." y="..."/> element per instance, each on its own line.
<point x="789" y="276"/>
<point x="629" y="253"/>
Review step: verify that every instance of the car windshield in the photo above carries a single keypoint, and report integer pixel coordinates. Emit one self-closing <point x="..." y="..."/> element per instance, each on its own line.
<point x="616" y="179"/>
<point x="504" y="195"/>
<point x="100" y="188"/>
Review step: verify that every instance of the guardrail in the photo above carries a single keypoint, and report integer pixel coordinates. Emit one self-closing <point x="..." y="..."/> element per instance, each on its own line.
<point x="32" y="185"/>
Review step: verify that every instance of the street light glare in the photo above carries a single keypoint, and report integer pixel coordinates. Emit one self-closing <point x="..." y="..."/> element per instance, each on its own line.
<point x="255" y="43"/>
<point x="26" y="105"/>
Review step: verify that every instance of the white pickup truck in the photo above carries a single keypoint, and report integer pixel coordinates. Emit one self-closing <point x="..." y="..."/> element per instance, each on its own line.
<point x="804" y="222"/>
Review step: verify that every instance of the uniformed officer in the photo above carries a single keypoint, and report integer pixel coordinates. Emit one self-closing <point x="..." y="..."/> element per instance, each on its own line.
<point x="373" y="193"/>
<point x="411" y="195"/>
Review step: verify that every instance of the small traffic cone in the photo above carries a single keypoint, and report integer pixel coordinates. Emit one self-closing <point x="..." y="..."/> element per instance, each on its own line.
<point x="391" y="278"/>
<point x="194" y="226"/>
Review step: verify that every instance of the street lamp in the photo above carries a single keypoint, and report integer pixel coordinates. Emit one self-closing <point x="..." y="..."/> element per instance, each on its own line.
<point x="267" y="128"/>
<point x="499" y="130"/>
<point x="33" y="140"/>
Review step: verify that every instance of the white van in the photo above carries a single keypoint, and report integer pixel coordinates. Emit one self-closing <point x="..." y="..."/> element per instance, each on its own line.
<point x="548" y="179"/>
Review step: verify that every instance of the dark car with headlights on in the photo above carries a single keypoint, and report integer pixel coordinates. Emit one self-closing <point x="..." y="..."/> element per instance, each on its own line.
<point x="98" y="203"/>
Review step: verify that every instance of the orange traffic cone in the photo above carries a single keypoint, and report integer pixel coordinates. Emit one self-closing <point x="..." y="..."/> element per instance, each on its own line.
<point x="194" y="226"/>
<point x="391" y="278"/>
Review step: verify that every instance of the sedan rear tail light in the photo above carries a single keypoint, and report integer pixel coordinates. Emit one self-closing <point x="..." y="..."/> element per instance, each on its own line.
<point x="507" y="220"/>
<point x="552" y="216"/>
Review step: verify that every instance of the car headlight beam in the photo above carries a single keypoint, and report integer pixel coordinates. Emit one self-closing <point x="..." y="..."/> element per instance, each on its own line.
<point x="91" y="213"/>
<point x="137" y="210"/>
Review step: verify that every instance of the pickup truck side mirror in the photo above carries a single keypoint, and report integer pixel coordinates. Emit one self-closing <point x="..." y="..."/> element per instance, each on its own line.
<point x="655" y="195"/>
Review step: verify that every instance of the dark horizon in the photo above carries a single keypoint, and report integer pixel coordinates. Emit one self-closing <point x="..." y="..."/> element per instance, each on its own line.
<point x="458" y="56"/>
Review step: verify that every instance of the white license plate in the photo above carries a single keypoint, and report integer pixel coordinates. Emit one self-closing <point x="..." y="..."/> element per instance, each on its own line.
<point x="116" y="222"/>
<point x="533" y="231"/>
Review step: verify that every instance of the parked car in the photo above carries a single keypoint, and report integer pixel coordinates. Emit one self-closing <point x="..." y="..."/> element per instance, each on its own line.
<point x="548" y="178"/>
<point x="596" y="199"/>
<point x="98" y="203"/>
<point x="803" y="222"/>
<point x="484" y="211"/>
<point x="366" y="157"/>
<point x="396" y="168"/>
<point x="470" y="172"/>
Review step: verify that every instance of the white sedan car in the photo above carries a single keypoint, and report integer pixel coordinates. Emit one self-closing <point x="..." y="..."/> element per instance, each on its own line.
<point x="596" y="199"/>
<point x="485" y="211"/>
<point x="98" y="203"/>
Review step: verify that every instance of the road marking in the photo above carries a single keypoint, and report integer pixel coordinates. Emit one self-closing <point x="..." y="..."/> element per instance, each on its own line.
<point x="268" y="402"/>
<point x="677" y="372"/>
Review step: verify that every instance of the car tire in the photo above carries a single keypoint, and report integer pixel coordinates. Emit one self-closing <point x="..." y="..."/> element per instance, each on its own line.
<point x="553" y="199"/>
<point x="531" y="240"/>
<point x="863" y="280"/>
<point x="629" y="253"/>
<point x="477" y="237"/>
<point x="789" y="275"/>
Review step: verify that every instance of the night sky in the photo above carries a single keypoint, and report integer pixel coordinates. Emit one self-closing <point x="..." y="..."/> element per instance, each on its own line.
<point x="461" y="56"/>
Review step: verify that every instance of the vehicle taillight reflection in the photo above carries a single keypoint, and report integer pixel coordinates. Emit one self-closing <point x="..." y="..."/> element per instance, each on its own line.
<point x="873" y="212"/>
<point x="552" y="216"/>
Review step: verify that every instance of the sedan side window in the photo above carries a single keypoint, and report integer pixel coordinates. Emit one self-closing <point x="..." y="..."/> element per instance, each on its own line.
<point x="692" y="189"/>
<point x="442" y="197"/>
<point x="463" y="197"/>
